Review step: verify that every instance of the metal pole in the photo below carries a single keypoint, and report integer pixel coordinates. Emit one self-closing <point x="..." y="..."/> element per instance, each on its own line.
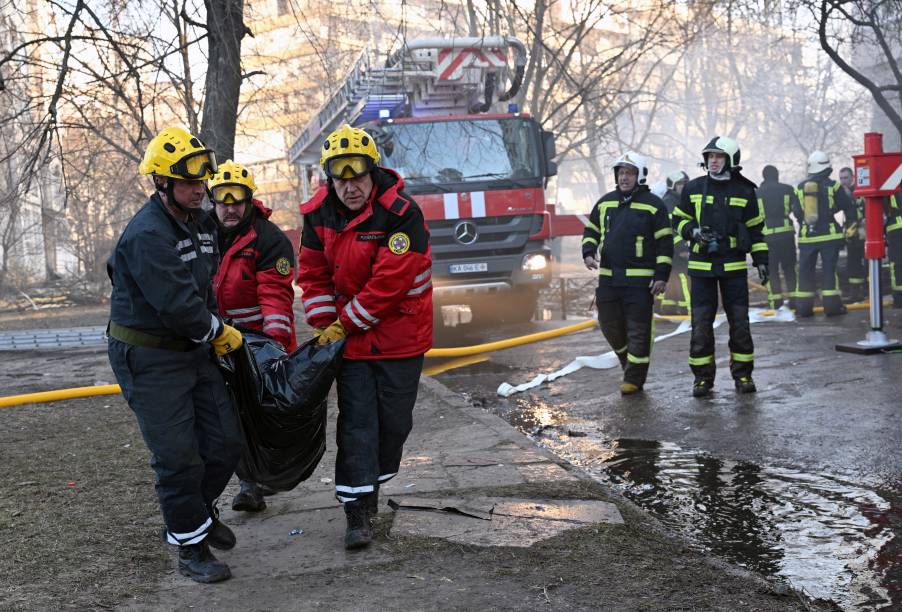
<point x="875" y="297"/>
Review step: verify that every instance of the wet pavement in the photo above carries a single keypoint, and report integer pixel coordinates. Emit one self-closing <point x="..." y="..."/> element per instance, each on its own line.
<point x="801" y="480"/>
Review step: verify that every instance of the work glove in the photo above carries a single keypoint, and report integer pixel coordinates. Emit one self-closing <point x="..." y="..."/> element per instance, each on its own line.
<point x="852" y="231"/>
<point x="591" y="262"/>
<point x="333" y="333"/>
<point x="763" y="273"/>
<point x="228" y="340"/>
<point x="698" y="237"/>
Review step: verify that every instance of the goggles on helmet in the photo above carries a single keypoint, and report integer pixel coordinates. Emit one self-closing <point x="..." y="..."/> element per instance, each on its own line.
<point x="230" y="194"/>
<point x="348" y="167"/>
<point x="196" y="165"/>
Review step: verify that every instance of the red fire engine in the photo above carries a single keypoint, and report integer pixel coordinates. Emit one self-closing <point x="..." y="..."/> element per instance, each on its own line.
<point x="477" y="166"/>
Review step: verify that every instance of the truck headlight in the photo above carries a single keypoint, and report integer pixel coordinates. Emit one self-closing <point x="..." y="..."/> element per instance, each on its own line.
<point x="534" y="262"/>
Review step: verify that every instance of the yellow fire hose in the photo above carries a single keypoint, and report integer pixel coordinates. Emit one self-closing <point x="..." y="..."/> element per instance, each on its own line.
<point x="467" y="355"/>
<point x="60" y="394"/>
<point x="488" y="347"/>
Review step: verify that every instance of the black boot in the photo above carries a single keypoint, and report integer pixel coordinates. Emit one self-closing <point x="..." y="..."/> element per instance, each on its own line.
<point x="198" y="563"/>
<point x="702" y="388"/>
<point x="359" y="533"/>
<point x="745" y="384"/>
<point x="249" y="498"/>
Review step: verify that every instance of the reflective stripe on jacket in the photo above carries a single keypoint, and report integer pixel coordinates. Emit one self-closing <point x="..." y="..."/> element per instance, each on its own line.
<point x="732" y="210"/>
<point x="633" y="239"/>
<point x="777" y="200"/>
<point x="162" y="271"/>
<point x="832" y="198"/>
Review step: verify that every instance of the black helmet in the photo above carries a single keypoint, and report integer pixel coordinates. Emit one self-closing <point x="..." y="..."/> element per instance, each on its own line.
<point x="770" y="173"/>
<point x="727" y="146"/>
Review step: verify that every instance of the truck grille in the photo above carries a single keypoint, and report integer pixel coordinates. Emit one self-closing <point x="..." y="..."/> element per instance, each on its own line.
<point x="495" y="236"/>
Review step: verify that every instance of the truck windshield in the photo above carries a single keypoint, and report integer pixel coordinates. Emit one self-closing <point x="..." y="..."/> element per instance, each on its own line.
<point x="465" y="151"/>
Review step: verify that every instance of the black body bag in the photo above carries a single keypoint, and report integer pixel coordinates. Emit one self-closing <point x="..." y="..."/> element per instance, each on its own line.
<point x="281" y="404"/>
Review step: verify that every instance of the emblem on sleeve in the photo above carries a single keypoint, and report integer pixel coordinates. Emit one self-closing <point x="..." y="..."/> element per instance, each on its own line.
<point x="283" y="266"/>
<point x="399" y="243"/>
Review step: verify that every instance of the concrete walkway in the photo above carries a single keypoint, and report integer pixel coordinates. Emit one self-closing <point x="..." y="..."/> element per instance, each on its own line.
<point x="454" y="447"/>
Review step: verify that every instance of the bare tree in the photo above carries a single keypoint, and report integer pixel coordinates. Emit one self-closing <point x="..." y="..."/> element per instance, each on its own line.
<point x="864" y="39"/>
<point x="103" y="81"/>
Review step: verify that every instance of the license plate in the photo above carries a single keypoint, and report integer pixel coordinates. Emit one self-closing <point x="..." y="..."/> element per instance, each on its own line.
<point x="468" y="267"/>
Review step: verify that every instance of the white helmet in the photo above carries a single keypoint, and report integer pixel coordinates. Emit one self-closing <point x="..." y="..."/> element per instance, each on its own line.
<point x="727" y="146"/>
<point x="817" y="162"/>
<point x="633" y="160"/>
<point x="676" y="177"/>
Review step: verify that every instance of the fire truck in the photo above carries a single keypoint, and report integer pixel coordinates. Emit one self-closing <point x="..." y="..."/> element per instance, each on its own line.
<point x="441" y="113"/>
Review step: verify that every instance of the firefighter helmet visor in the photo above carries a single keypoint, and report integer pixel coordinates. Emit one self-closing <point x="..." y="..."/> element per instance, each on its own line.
<point x="230" y="194"/>
<point x="195" y="166"/>
<point x="348" y="167"/>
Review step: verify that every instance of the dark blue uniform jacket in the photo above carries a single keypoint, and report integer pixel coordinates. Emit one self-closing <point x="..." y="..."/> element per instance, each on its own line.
<point x="162" y="274"/>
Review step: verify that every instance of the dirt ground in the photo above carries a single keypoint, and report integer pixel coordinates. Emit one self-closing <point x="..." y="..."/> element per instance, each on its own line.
<point x="81" y="530"/>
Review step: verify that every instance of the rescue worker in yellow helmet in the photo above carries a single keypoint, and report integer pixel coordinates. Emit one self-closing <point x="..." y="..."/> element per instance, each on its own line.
<point x="365" y="269"/>
<point x="254" y="282"/>
<point x="719" y="214"/>
<point x="820" y="235"/>
<point x="164" y="332"/>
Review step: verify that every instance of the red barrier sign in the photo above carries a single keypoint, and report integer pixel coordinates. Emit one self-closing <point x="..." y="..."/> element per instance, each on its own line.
<point x="877" y="175"/>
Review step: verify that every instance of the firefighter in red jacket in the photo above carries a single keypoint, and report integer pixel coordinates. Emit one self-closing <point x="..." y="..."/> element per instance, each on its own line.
<point x="253" y="284"/>
<point x="365" y="272"/>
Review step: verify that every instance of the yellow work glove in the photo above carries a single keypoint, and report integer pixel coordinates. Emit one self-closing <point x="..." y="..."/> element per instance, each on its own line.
<point x="228" y="340"/>
<point x="333" y="333"/>
<point x="852" y="231"/>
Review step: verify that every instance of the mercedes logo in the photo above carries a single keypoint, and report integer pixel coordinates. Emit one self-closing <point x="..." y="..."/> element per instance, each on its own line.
<point x="465" y="232"/>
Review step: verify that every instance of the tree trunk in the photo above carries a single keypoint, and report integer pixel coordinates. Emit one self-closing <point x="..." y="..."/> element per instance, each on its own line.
<point x="225" y="28"/>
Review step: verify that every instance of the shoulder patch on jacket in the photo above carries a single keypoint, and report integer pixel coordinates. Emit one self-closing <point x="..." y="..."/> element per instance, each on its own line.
<point x="283" y="266"/>
<point x="399" y="243"/>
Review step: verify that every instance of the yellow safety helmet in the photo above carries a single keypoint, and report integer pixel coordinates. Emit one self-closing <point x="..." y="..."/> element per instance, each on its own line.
<point x="348" y="152"/>
<point x="175" y="153"/>
<point x="232" y="183"/>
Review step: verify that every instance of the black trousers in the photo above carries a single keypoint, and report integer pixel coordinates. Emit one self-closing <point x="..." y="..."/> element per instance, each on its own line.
<point x="188" y="423"/>
<point x="856" y="269"/>
<point x="781" y="253"/>
<point x="734" y="291"/>
<point x="831" y="297"/>
<point x="627" y="322"/>
<point x="375" y="415"/>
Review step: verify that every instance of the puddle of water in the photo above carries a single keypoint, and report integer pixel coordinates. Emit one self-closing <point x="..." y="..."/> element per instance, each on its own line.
<point x="827" y="536"/>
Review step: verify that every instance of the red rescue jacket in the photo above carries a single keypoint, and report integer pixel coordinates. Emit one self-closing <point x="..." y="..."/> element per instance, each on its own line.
<point x="253" y="283"/>
<point x="372" y="270"/>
